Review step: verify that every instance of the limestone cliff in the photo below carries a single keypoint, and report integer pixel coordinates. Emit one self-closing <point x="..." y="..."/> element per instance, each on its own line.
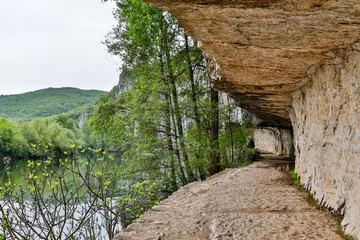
<point x="326" y="121"/>
<point x="293" y="64"/>
<point x="274" y="140"/>
<point x="83" y="117"/>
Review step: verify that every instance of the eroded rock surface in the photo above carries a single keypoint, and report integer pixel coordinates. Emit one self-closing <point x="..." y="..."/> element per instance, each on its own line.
<point x="254" y="202"/>
<point x="278" y="141"/>
<point x="326" y="122"/>
<point x="260" y="51"/>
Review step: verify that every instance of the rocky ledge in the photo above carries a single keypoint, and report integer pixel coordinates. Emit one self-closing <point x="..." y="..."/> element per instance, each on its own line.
<point x="260" y="51"/>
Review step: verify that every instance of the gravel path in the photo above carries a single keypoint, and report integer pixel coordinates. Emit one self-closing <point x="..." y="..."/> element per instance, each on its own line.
<point x="254" y="202"/>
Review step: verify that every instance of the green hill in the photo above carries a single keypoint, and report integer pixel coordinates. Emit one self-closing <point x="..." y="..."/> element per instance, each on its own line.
<point x="44" y="103"/>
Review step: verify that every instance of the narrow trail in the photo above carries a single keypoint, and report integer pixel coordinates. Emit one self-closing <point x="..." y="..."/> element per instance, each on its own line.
<point x="253" y="202"/>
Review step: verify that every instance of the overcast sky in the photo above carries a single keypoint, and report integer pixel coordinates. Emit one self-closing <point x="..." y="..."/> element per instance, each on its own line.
<point x="55" y="43"/>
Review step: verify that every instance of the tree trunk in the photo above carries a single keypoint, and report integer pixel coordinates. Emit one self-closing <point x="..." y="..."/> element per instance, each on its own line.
<point x="171" y="78"/>
<point x="183" y="178"/>
<point x="214" y="133"/>
<point x="230" y="131"/>
<point x="179" y="125"/>
<point x="170" y="146"/>
<point x="171" y="150"/>
<point x="196" y="110"/>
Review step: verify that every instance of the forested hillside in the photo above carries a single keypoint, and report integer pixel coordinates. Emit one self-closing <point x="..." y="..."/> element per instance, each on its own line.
<point x="45" y="102"/>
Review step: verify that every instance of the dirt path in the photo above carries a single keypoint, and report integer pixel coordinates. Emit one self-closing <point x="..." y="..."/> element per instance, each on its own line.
<point x="254" y="202"/>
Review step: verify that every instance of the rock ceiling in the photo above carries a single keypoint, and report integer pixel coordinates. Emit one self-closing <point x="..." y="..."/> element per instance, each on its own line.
<point x="261" y="51"/>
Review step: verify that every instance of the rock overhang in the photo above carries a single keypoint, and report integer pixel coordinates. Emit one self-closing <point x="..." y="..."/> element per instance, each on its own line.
<point x="261" y="51"/>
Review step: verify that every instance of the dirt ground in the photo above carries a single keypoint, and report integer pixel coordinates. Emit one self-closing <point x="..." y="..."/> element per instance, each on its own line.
<point x="254" y="202"/>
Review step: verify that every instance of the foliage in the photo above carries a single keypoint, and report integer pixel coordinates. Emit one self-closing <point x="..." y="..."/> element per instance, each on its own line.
<point x="11" y="141"/>
<point x="294" y="176"/>
<point x="40" y="132"/>
<point x="91" y="140"/>
<point x="168" y="122"/>
<point x="75" y="199"/>
<point x="165" y="120"/>
<point x="45" y="103"/>
<point x="142" y="195"/>
<point x="51" y="137"/>
<point x="235" y="147"/>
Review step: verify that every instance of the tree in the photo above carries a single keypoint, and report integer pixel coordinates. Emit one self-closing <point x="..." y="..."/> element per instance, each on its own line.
<point x="12" y="143"/>
<point x="168" y="120"/>
<point x="214" y="133"/>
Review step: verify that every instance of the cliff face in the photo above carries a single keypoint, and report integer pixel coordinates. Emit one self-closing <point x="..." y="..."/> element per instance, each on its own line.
<point x="274" y="140"/>
<point x="293" y="64"/>
<point x="326" y="120"/>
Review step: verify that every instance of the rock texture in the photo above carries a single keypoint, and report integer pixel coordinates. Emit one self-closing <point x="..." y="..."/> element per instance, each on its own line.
<point x="274" y="140"/>
<point x="291" y="63"/>
<point x="83" y="117"/>
<point x="254" y="202"/>
<point x="260" y="51"/>
<point x="326" y="120"/>
<point x="241" y="115"/>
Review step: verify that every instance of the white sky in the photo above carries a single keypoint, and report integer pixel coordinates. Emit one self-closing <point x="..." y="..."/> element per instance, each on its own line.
<point x="55" y="43"/>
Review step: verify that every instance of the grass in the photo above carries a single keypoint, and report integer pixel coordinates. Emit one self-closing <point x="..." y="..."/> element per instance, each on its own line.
<point x="246" y="163"/>
<point x="312" y="202"/>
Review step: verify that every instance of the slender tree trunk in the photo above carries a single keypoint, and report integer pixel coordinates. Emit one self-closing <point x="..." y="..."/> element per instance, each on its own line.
<point x="214" y="133"/>
<point x="168" y="134"/>
<point x="230" y="130"/>
<point x="170" y="80"/>
<point x="183" y="178"/>
<point x="180" y="130"/>
<point x="196" y="110"/>
<point x="179" y="125"/>
<point x="171" y="150"/>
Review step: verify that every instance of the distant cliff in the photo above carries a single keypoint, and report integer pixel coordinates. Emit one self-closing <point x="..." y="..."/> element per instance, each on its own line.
<point x="83" y="116"/>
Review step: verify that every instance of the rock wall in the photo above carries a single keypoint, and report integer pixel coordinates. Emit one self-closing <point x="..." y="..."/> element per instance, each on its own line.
<point x="241" y="115"/>
<point x="274" y="140"/>
<point x="326" y="121"/>
<point x="83" y="116"/>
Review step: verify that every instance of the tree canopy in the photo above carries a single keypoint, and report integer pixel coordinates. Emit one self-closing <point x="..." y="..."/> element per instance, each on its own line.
<point x="169" y="120"/>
